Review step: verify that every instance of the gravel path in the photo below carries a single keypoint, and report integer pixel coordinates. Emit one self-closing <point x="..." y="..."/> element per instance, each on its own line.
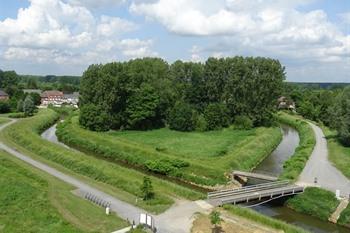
<point x="319" y="166"/>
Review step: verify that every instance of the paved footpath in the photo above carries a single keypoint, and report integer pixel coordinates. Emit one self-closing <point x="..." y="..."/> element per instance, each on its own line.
<point x="178" y="219"/>
<point x="319" y="166"/>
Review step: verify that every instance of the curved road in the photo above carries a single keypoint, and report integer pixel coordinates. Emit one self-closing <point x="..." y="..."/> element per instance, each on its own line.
<point x="319" y="166"/>
<point x="177" y="219"/>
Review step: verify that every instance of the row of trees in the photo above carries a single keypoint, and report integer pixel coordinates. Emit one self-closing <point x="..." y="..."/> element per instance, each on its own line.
<point x="66" y="84"/>
<point x="329" y="106"/>
<point x="149" y="93"/>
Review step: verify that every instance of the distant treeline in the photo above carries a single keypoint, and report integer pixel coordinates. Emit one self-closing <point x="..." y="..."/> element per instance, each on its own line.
<point x="66" y="84"/>
<point x="329" y="104"/>
<point x="321" y="85"/>
<point x="149" y="93"/>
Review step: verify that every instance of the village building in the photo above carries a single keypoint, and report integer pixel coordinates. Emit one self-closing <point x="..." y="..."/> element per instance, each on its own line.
<point x="3" y="96"/>
<point x="56" y="98"/>
<point x="286" y="104"/>
<point x="29" y="91"/>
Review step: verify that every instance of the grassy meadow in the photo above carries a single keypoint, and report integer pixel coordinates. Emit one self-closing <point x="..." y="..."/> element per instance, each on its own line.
<point x="207" y="155"/>
<point x="114" y="179"/>
<point x="339" y="155"/>
<point x="32" y="201"/>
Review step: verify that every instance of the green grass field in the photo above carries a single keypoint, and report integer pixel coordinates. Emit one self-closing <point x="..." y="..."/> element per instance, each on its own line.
<point x="210" y="154"/>
<point x="339" y="155"/>
<point x="32" y="201"/>
<point x="194" y="145"/>
<point x="119" y="181"/>
<point x="316" y="202"/>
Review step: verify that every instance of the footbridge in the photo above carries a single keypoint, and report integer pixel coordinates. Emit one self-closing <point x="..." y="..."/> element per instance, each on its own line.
<point x="259" y="176"/>
<point x="269" y="191"/>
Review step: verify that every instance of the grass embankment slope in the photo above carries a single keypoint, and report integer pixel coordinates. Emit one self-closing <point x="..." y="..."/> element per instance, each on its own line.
<point x="316" y="202"/>
<point x="295" y="165"/>
<point x="206" y="155"/>
<point x="262" y="219"/>
<point x="339" y="155"/>
<point x="31" y="201"/>
<point x="118" y="181"/>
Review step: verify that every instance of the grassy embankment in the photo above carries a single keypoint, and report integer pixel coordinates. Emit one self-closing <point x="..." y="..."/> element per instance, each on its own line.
<point x="119" y="181"/>
<point x="207" y="155"/>
<point x="340" y="157"/>
<point x="32" y="201"/>
<point x="316" y="202"/>
<point x="295" y="165"/>
<point x="262" y="219"/>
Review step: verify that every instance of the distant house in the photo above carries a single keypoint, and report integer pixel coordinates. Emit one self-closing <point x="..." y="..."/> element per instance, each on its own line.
<point x="55" y="98"/>
<point x="286" y="104"/>
<point x="3" y="96"/>
<point x="72" y="99"/>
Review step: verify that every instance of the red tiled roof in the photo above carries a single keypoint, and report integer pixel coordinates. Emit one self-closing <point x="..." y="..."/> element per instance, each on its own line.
<point x="51" y="93"/>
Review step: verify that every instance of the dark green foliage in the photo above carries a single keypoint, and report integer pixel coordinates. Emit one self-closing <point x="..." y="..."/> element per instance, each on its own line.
<point x="201" y="123"/>
<point x="216" y="116"/>
<point x="181" y="117"/>
<point x="94" y="117"/>
<point x="243" y="122"/>
<point x="340" y="114"/>
<point x="142" y="93"/>
<point x="147" y="189"/>
<point x="166" y="166"/>
<point x="143" y="108"/>
<point x="28" y="106"/>
<point x="316" y="202"/>
<point x="4" y="107"/>
<point x="36" y="98"/>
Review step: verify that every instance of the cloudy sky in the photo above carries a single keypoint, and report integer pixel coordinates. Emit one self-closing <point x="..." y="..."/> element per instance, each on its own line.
<point x="310" y="37"/>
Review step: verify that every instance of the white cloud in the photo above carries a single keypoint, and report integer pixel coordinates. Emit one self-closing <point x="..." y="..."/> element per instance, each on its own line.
<point x="345" y="17"/>
<point x="269" y="27"/>
<point x="54" y="31"/>
<point x="97" y="3"/>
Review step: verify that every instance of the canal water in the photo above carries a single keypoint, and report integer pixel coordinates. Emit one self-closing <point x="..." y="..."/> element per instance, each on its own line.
<point x="273" y="165"/>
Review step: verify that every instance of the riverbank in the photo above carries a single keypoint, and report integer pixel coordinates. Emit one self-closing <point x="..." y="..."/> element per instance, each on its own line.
<point x="293" y="167"/>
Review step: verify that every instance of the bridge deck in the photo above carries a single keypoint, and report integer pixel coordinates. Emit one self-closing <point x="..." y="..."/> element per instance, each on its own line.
<point x="254" y="175"/>
<point x="256" y="192"/>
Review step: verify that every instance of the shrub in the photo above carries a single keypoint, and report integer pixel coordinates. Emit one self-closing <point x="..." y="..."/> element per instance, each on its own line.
<point x="94" y="118"/>
<point x="216" y="116"/>
<point x="243" y="122"/>
<point x="17" y="115"/>
<point x="5" y="107"/>
<point x="201" y="124"/>
<point x="181" y="117"/>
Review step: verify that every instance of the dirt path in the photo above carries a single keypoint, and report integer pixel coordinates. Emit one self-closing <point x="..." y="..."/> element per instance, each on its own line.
<point x="319" y="166"/>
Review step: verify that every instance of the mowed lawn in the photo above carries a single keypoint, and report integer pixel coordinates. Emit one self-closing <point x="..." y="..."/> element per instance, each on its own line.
<point x="188" y="144"/>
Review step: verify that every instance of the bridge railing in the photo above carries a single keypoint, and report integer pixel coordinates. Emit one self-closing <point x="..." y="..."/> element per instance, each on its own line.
<point x="230" y="192"/>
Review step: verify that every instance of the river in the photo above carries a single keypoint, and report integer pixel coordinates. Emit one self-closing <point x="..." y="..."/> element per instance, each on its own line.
<point x="273" y="165"/>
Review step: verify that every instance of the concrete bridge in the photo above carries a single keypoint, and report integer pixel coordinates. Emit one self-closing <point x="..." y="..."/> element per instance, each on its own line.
<point x="270" y="191"/>
<point x="240" y="174"/>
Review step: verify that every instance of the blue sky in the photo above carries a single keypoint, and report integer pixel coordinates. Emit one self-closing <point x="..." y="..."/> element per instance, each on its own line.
<point x="310" y="37"/>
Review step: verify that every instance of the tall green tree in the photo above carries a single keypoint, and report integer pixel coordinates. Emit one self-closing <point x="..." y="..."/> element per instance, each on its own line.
<point x="28" y="106"/>
<point x="147" y="189"/>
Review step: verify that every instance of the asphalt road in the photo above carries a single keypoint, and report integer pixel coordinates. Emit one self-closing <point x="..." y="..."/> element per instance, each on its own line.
<point x="319" y="166"/>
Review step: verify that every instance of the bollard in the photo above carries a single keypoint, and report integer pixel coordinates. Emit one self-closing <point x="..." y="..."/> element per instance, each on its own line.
<point x="337" y="194"/>
<point x="107" y="210"/>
